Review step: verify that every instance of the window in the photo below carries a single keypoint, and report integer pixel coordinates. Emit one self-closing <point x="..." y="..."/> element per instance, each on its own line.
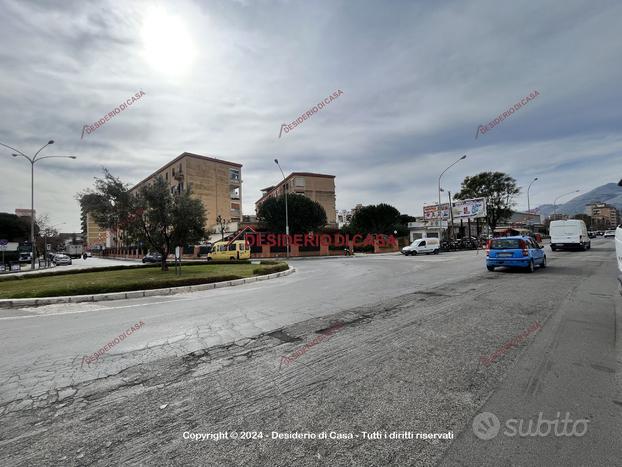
<point x="234" y="174"/>
<point x="299" y="182"/>
<point x="232" y="247"/>
<point x="505" y="244"/>
<point x="422" y="243"/>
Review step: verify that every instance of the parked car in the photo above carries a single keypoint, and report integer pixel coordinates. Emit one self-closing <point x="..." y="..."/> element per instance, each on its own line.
<point x="422" y="245"/>
<point x="517" y="251"/>
<point x="609" y="234"/>
<point x="61" y="260"/>
<point x="152" y="258"/>
<point x="591" y="234"/>
<point x="571" y="233"/>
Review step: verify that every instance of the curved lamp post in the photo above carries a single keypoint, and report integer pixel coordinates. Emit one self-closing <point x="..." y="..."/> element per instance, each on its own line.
<point x="33" y="160"/>
<point x="439" y="195"/>
<point x="528" y="203"/>
<point x="561" y="196"/>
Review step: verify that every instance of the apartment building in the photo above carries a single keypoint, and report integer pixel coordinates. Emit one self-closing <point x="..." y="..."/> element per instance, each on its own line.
<point x="217" y="183"/>
<point x="318" y="187"/>
<point x="603" y="215"/>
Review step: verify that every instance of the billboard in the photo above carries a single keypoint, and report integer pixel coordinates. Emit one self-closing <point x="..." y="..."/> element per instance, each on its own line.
<point x="474" y="208"/>
<point x="469" y="208"/>
<point x="430" y="212"/>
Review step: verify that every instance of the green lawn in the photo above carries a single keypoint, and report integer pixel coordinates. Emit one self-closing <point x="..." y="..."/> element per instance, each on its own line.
<point x="124" y="280"/>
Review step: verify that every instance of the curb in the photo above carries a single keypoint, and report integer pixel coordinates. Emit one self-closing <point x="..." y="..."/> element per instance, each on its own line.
<point x="21" y="302"/>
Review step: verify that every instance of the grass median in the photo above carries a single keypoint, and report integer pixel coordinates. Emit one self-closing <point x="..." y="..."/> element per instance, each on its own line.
<point x="125" y="280"/>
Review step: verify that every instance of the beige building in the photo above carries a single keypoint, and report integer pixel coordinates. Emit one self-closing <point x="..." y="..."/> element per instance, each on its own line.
<point x="318" y="187"/>
<point x="603" y="215"/>
<point x="96" y="236"/>
<point x="217" y="183"/>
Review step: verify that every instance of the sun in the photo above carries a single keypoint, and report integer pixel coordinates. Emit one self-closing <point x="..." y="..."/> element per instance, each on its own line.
<point x="168" y="46"/>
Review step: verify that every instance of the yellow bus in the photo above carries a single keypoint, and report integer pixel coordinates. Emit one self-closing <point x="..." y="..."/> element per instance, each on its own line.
<point x="225" y="251"/>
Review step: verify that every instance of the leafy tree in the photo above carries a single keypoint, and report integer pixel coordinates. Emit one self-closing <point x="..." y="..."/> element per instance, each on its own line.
<point x="14" y="228"/>
<point x="305" y="215"/>
<point x="154" y="215"/>
<point x="109" y="203"/>
<point x="378" y="219"/>
<point x="498" y="188"/>
<point x="164" y="220"/>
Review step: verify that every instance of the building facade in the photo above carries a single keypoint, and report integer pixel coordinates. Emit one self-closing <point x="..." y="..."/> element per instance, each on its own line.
<point x="215" y="182"/>
<point x="603" y="215"/>
<point x="317" y="187"/>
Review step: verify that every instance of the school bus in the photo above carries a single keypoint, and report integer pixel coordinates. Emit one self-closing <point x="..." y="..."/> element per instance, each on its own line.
<point x="225" y="251"/>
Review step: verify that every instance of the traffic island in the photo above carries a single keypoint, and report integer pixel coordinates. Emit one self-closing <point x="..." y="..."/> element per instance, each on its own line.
<point x="132" y="283"/>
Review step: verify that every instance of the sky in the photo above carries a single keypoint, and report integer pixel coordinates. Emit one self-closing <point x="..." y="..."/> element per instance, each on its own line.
<point x="220" y="78"/>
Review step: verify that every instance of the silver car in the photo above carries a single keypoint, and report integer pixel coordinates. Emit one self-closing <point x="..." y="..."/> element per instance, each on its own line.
<point x="61" y="260"/>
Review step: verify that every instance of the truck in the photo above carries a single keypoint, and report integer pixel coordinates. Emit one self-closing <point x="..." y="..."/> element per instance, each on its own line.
<point x="74" y="250"/>
<point x="569" y="234"/>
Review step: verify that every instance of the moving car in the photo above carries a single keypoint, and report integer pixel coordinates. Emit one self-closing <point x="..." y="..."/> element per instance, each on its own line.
<point x="60" y="259"/>
<point x="518" y="251"/>
<point x="229" y="251"/>
<point x="422" y="245"/>
<point x="152" y="258"/>
<point x="609" y="234"/>
<point x="571" y="233"/>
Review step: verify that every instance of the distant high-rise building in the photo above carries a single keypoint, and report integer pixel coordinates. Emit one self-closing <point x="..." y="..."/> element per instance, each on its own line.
<point x="603" y="215"/>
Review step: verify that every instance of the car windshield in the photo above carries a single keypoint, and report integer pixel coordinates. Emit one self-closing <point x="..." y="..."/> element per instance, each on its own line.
<point x="505" y="243"/>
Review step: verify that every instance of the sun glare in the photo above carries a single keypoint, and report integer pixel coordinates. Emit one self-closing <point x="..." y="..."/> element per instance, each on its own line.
<point x="168" y="46"/>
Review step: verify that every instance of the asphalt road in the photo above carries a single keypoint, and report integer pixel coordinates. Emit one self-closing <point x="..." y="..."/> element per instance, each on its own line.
<point x="406" y="356"/>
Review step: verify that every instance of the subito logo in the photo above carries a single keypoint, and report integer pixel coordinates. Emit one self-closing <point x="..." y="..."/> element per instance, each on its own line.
<point x="486" y="425"/>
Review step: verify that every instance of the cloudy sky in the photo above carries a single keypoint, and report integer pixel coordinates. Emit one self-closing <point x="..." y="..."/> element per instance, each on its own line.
<point x="221" y="76"/>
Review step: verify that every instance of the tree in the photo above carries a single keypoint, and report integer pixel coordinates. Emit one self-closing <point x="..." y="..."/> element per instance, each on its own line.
<point x="305" y="215"/>
<point x="164" y="220"/>
<point x="222" y="225"/>
<point x="14" y="228"/>
<point x="585" y="218"/>
<point x="154" y="215"/>
<point x="109" y="204"/>
<point x="498" y="188"/>
<point x="378" y="219"/>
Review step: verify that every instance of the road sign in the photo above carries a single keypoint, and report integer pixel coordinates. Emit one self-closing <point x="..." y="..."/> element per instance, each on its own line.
<point x="177" y="252"/>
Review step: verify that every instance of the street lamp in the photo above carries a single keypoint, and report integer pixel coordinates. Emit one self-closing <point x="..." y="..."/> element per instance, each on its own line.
<point x="276" y="161"/>
<point x="439" y="195"/>
<point x="528" y="203"/>
<point x="561" y="196"/>
<point x="32" y="161"/>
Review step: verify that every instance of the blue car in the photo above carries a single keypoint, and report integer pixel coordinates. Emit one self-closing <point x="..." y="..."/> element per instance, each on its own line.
<point x="514" y="252"/>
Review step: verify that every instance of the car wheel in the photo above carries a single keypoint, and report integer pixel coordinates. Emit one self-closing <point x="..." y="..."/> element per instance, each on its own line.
<point x="413" y="253"/>
<point x="490" y="268"/>
<point x="231" y="258"/>
<point x="543" y="265"/>
<point x="209" y="259"/>
<point x="436" y="251"/>
<point x="531" y="267"/>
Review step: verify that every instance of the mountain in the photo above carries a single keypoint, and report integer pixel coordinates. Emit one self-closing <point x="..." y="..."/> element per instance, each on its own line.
<point x="609" y="193"/>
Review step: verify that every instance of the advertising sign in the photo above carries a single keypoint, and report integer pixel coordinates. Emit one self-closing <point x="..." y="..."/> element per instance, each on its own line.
<point x="430" y="212"/>
<point x="469" y="208"/>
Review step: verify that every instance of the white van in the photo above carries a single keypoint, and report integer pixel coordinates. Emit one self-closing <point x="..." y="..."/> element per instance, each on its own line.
<point x="571" y="233"/>
<point x="422" y="245"/>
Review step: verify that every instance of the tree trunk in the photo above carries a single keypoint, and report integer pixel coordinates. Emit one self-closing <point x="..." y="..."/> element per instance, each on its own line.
<point x="164" y="265"/>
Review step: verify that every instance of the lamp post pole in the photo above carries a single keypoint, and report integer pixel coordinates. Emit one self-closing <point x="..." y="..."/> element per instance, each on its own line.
<point x="276" y="161"/>
<point x="439" y="195"/>
<point x="529" y="204"/>
<point x="32" y="161"/>
<point x="561" y="196"/>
